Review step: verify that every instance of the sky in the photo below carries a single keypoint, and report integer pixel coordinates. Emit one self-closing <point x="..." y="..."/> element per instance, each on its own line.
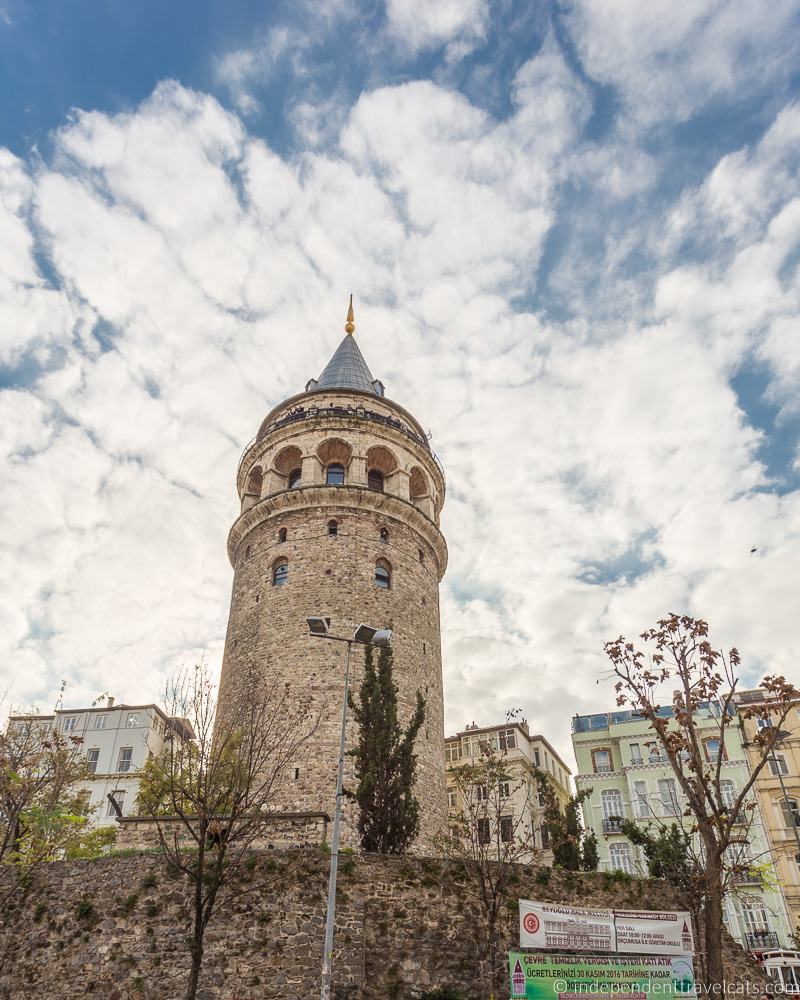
<point x="572" y="230"/>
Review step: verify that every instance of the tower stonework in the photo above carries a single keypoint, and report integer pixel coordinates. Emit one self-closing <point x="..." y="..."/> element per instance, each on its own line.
<point x="340" y="502"/>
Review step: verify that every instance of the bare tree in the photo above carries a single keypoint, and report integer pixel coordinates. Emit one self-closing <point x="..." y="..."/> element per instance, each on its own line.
<point x="702" y="679"/>
<point x="491" y="833"/>
<point x="210" y="796"/>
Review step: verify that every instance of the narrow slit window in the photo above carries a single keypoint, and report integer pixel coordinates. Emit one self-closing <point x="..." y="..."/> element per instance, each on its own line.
<point x="282" y="535"/>
<point x="384" y="535"/>
<point x="333" y="528"/>
<point x="383" y="575"/>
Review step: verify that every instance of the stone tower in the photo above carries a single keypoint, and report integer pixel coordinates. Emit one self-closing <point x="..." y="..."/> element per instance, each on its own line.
<point x="340" y="501"/>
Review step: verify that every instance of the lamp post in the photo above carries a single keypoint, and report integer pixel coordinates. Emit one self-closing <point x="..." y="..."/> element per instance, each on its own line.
<point x="364" y="635"/>
<point x="779" y="737"/>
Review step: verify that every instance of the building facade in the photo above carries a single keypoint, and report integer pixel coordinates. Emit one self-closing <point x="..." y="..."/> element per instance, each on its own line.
<point x="619" y="758"/>
<point x="523" y="755"/>
<point x="340" y="503"/>
<point x="117" y="740"/>
<point x="777" y="787"/>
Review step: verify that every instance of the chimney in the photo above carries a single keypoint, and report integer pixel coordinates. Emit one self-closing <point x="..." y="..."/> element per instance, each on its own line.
<point x="109" y="701"/>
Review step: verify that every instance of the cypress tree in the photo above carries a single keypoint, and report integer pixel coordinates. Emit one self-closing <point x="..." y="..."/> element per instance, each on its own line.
<point x="386" y="764"/>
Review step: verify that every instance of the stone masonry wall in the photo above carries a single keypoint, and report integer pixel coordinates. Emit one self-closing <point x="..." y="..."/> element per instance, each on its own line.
<point x="117" y="928"/>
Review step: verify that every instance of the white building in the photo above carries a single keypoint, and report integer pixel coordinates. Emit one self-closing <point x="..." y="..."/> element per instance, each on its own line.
<point x="117" y="740"/>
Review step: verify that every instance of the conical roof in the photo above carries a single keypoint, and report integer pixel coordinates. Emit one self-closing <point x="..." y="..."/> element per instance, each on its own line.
<point x="347" y="369"/>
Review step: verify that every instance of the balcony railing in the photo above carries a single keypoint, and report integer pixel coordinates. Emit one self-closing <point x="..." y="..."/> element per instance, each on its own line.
<point x="612" y="825"/>
<point x="603" y="768"/>
<point x="747" y="878"/>
<point x="761" y="940"/>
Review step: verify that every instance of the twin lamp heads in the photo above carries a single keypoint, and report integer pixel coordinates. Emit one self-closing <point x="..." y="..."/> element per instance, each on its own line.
<point x="365" y="635"/>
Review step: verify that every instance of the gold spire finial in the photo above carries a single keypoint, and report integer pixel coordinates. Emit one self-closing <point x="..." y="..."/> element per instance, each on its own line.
<point x="350" y="326"/>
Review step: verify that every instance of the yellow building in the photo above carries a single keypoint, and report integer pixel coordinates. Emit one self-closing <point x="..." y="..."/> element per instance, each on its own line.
<point x="522" y="755"/>
<point x="778" y="791"/>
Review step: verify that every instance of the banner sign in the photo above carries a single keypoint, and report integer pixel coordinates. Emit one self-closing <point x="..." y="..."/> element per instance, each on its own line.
<point x="645" y="932"/>
<point x="565" y="928"/>
<point x="573" y="928"/>
<point x="581" y="977"/>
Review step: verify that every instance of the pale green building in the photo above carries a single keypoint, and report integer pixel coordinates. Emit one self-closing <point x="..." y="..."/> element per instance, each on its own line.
<point x="619" y="758"/>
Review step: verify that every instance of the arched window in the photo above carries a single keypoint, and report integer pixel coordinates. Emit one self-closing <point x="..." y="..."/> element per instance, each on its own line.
<point x="282" y="535"/>
<point x="383" y="574"/>
<point x="294" y="478"/>
<point x="333" y="528"/>
<point x="421" y="555"/>
<point x="712" y="750"/>
<point x="254" y="481"/>
<point x="791" y="815"/>
<point x="375" y="480"/>
<point x="601" y="761"/>
<point x="384" y="533"/>
<point x="280" y="573"/>
<point x="334" y="474"/>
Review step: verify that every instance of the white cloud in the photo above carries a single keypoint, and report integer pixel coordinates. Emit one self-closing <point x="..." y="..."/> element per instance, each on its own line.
<point x="668" y="61"/>
<point x="416" y="25"/>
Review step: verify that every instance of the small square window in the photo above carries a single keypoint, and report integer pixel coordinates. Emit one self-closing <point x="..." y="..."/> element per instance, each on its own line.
<point x="133" y="720"/>
<point x="100" y="721"/>
<point x="70" y="724"/>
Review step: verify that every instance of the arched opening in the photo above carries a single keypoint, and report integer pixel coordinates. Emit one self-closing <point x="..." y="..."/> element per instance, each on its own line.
<point x="418" y="484"/>
<point x="255" y="481"/>
<point x="334" y="474"/>
<point x="282" y="535"/>
<point x="247" y="552"/>
<point x="384" y="535"/>
<point x="334" y="451"/>
<point x="375" y="480"/>
<point x="287" y="463"/>
<point x="421" y="555"/>
<point x="280" y="573"/>
<point x="381" y="463"/>
<point x="383" y="574"/>
<point x="333" y="528"/>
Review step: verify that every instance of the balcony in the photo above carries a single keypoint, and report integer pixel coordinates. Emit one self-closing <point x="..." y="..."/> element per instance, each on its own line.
<point x="612" y="825"/>
<point x="762" y="940"/>
<point x="603" y="769"/>
<point x="747" y="878"/>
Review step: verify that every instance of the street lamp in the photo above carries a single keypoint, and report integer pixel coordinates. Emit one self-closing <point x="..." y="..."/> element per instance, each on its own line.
<point x="779" y="737"/>
<point x="364" y="635"/>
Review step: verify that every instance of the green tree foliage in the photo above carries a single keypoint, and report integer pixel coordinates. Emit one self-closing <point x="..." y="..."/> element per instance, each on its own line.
<point x="43" y="814"/>
<point x="386" y="764"/>
<point x="573" y="849"/>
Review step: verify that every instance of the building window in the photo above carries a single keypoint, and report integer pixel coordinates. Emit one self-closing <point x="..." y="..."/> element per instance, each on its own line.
<point x="294" y="478"/>
<point x="481" y="793"/>
<point x="764" y="723"/>
<point x="375" y="480"/>
<point x="545" y="837"/>
<point x="334" y="474"/>
<point x="620" y="858"/>
<point x="384" y="534"/>
<point x="636" y="753"/>
<point x="124" y="760"/>
<point x="421" y="556"/>
<point x="601" y="760"/>
<point x="507" y="829"/>
<point x="282" y="536"/>
<point x="92" y="758"/>
<point x="712" y="750"/>
<point x="452" y="798"/>
<point x="536" y="758"/>
<point x="452" y="751"/>
<point x="484" y="832"/>
<point x="70" y="724"/>
<point x="84" y="801"/>
<point x="777" y="764"/>
<point x="508" y="739"/>
<point x="119" y="798"/>
<point x="668" y="797"/>
<point x="641" y="808"/>
<point x="504" y="788"/>
<point x="254" y="481"/>
<point x="280" y="574"/>
<point x="132" y="721"/>
<point x="333" y="528"/>
<point x="791" y="814"/>
<point x="611" y="799"/>
<point x="383" y="574"/>
<point x="727" y="791"/>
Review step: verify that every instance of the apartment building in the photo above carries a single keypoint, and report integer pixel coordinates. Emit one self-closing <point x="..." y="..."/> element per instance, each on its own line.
<point x="117" y="740"/>
<point x="619" y="758"/>
<point x="778" y="790"/>
<point x="522" y="754"/>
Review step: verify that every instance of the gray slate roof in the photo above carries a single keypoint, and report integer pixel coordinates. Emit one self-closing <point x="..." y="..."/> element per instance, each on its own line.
<point x="347" y="369"/>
